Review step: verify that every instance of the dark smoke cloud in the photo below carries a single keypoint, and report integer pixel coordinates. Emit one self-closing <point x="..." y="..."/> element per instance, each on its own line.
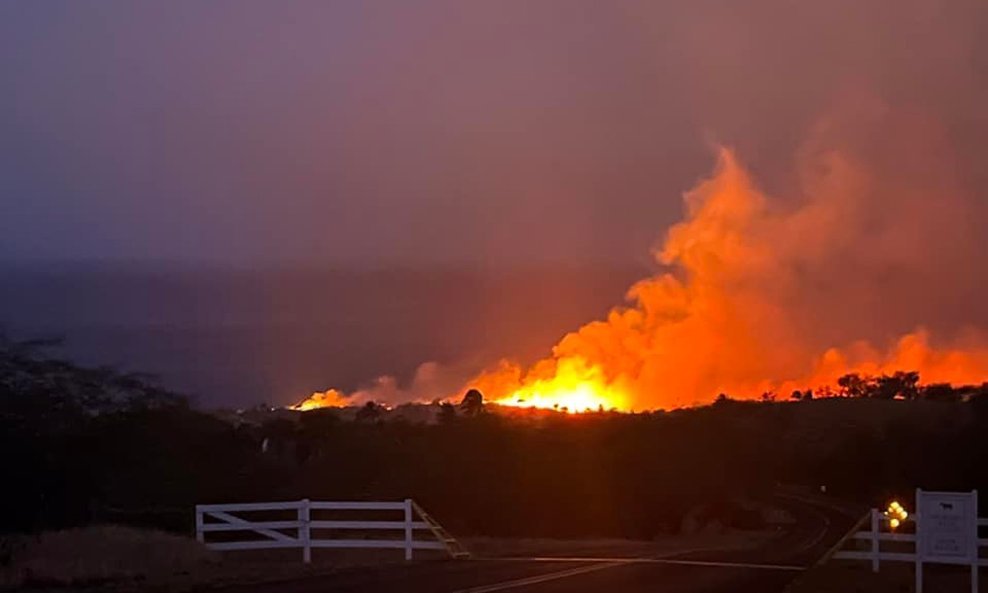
<point x="471" y="131"/>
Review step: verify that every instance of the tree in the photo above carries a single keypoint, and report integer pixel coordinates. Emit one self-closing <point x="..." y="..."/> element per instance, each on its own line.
<point x="899" y="384"/>
<point x="853" y="385"/>
<point x="909" y="384"/>
<point x="472" y="404"/>
<point x="371" y="412"/>
<point x="798" y="395"/>
<point x="36" y="388"/>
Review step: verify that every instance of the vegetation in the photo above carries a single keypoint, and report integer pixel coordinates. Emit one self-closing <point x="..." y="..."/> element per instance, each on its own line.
<point x="95" y="555"/>
<point x="95" y="445"/>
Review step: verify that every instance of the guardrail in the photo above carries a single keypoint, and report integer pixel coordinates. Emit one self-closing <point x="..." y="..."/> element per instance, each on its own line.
<point x="297" y="532"/>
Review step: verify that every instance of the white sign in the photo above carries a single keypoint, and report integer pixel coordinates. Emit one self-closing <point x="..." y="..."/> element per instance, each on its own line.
<point x="948" y="526"/>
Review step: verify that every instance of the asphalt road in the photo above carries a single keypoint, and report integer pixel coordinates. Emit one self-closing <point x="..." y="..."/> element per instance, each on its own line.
<point x="767" y="569"/>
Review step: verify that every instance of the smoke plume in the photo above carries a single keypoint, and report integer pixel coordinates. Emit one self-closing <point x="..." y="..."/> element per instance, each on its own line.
<point x="859" y="266"/>
<point x="763" y="294"/>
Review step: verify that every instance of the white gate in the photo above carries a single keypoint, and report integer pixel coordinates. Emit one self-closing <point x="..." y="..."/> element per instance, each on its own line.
<point x="946" y="532"/>
<point x="297" y="531"/>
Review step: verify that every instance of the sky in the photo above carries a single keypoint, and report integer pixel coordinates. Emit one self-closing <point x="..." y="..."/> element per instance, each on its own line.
<point x="477" y="132"/>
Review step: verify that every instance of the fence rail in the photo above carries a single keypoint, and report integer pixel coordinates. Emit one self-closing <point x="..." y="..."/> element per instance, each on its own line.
<point x="875" y="535"/>
<point x="946" y="530"/>
<point x="297" y="532"/>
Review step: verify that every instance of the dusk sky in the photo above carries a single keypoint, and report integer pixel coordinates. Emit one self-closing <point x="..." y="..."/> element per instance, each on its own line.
<point x="386" y="132"/>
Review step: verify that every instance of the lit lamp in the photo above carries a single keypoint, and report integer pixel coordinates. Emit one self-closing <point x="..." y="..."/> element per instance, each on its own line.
<point x="895" y="514"/>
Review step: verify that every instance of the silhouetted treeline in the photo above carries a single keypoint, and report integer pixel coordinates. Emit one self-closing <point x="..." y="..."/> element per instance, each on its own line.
<point x="898" y="385"/>
<point x="81" y="445"/>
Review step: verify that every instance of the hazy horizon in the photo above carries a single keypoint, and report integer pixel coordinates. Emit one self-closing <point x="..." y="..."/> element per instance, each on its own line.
<point x="237" y="337"/>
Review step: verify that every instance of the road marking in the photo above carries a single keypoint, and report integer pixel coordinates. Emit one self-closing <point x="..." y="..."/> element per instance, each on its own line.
<point x="552" y="576"/>
<point x="726" y="564"/>
<point x="713" y="563"/>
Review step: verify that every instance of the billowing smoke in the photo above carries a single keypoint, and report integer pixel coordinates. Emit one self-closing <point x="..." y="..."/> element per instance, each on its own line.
<point x="763" y="294"/>
<point x="431" y="382"/>
<point x="863" y="265"/>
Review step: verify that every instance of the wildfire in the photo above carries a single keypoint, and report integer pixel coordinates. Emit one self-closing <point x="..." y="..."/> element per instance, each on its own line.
<point x="322" y="399"/>
<point x="574" y="387"/>
<point x="754" y="295"/>
<point x="733" y="312"/>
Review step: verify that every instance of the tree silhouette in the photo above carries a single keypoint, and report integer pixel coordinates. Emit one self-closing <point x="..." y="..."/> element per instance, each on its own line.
<point x="371" y="412"/>
<point x="853" y="385"/>
<point x="472" y="404"/>
<point x="899" y="384"/>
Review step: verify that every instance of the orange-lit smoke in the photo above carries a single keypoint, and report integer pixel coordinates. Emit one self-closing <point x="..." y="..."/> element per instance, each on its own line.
<point x="431" y="382"/>
<point x="758" y="294"/>
<point x="732" y="314"/>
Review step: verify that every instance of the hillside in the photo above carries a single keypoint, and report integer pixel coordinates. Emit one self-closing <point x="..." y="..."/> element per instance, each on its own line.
<point x="93" y="445"/>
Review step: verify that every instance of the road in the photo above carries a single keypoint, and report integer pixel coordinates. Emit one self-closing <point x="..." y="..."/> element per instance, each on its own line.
<point x="767" y="569"/>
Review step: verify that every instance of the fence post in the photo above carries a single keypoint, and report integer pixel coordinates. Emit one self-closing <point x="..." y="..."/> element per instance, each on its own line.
<point x="408" y="529"/>
<point x="975" y="560"/>
<point x="917" y="521"/>
<point x="875" y="525"/>
<point x="304" y="532"/>
<point x="200" y="535"/>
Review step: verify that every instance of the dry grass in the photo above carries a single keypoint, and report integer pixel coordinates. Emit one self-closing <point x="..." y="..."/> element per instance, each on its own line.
<point x="99" y="554"/>
<point x="894" y="577"/>
<point x="124" y="559"/>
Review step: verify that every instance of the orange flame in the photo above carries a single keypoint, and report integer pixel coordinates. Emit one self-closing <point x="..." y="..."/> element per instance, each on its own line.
<point x="322" y="399"/>
<point x="572" y="385"/>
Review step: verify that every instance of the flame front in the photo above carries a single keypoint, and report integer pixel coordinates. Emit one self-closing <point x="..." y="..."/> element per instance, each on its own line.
<point x="322" y="399"/>
<point x="575" y="386"/>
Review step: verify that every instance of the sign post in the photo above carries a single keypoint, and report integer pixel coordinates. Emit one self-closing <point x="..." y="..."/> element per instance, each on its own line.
<point x="947" y="531"/>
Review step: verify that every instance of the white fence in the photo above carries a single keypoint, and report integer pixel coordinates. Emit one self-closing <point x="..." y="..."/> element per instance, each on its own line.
<point x="297" y="532"/>
<point x="908" y="546"/>
<point x="875" y="535"/>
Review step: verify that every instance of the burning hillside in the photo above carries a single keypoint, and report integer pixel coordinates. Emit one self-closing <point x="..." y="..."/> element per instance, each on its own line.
<point x="758" y="294"/>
